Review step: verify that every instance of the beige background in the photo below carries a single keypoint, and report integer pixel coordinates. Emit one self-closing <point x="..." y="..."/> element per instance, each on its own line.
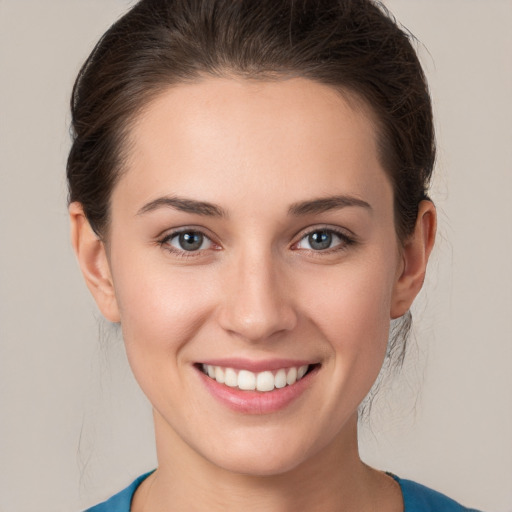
<point x="73" y="425"/>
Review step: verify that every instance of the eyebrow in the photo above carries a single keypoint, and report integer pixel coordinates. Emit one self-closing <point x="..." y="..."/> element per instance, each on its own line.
<point x="184" y="205"/>
<point x="319" y="205"/>
<point x="324" y="204"/>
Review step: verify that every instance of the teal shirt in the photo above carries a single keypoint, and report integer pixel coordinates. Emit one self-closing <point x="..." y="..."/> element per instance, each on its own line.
<point x="417" y="498"/>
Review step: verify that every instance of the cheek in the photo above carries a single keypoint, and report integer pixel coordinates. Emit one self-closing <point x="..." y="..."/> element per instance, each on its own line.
<point x="352" y="300"/>
<point x="161" y="307"/>
<point x="351" y="308"/>
<point x="162" y="310"/>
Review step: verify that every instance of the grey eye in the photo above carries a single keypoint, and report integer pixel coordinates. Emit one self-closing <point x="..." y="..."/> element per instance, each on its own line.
<point x="320" y="240"/>
<point x="190" y="241"/>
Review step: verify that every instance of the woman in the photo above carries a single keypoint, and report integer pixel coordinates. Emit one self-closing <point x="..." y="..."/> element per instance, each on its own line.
<point x="249" y="200"/>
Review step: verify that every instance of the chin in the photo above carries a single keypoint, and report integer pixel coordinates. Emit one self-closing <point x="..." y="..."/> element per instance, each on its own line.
<point x="260" y="456"/>
<point x="261" y="465"/>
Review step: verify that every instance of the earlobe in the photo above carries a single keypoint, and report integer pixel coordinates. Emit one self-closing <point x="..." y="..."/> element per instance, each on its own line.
<point x="92" y="258"/>
<point x="415" y="255"/>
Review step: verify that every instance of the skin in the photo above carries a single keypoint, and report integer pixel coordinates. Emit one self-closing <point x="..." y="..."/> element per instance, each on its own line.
<point x="258" y="290"/>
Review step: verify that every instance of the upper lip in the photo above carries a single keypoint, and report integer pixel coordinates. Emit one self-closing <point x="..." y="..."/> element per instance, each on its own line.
<point x="256" y="366"/>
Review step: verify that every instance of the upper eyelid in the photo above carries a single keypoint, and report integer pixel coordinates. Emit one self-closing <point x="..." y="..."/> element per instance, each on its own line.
<point x="174" y="234"/>
<point x="169" y="233"/>
<point x="338" y="230"/>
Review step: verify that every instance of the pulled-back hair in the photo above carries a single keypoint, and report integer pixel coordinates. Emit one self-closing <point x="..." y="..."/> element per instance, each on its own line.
<point x="355" y="46"/>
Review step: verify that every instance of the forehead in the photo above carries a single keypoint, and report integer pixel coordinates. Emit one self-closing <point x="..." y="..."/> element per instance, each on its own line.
<point x="223" y="137"/>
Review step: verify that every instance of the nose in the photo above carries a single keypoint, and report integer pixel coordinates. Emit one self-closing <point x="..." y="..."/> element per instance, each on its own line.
<point x="256" y="301"/>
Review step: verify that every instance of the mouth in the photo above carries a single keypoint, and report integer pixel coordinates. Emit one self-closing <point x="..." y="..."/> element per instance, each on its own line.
<point x="257" y="387"/>
<point x="264" y="381"/>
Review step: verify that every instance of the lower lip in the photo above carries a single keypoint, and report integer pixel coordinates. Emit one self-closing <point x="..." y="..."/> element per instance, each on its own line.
<point x="258" y="402"/>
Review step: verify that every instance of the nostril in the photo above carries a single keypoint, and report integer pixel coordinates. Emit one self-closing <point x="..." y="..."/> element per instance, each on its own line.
<point x="254" y="327"/>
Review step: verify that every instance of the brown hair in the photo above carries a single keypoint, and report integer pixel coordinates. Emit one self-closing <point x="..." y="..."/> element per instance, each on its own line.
<point x="352" y="45"/>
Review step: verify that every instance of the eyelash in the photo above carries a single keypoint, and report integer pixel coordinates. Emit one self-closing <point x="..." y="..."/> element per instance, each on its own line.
<point x="345" y="241"/>
<point x="165" y="243"/>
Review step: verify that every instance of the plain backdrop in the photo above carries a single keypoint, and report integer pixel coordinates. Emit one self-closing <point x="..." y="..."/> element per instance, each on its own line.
<point x="74" y="427"/>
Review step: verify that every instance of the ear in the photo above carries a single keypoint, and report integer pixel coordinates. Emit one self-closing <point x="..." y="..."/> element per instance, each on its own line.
<point x="92" y="258"/>
<point x="415" y="254"/>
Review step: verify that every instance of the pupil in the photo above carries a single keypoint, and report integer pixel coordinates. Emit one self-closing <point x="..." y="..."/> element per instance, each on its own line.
<point x="320" y="240"/>
<point x="191" y="241"/>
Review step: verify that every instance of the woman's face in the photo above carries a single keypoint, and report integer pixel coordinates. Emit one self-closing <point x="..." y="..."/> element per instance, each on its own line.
<point x="253" y="230"/>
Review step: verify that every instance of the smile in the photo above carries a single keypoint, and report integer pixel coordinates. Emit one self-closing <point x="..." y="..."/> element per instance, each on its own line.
<point x="264" y="381"/>
<point x="256" y="388"/>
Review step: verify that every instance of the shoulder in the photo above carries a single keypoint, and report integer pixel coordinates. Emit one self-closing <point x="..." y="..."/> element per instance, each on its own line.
<point x="418" y="498"/>
<point x="121" y="501"/>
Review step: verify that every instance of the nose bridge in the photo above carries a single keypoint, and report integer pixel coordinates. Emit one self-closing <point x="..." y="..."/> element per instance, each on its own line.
<point x="257" y="304"/>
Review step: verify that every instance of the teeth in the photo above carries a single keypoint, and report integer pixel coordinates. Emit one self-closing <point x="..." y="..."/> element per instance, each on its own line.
<point x="219" y="374"/>
<point x="246" y="380"/>
<point x="301" y="372"/>
<point x="265" y="381"/>
<point x="231" y="378"/>
<point x="250" y="381"/>
<point x="291" y="376"/>
<point x="280" y="379"/>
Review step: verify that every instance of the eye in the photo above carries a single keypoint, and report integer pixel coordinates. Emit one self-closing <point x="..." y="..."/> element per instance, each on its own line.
<point x="322" y="240"/>
<point x="189" y="241"/>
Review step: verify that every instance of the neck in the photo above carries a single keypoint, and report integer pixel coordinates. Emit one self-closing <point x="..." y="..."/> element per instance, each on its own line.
<point x="334" y="479"/>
